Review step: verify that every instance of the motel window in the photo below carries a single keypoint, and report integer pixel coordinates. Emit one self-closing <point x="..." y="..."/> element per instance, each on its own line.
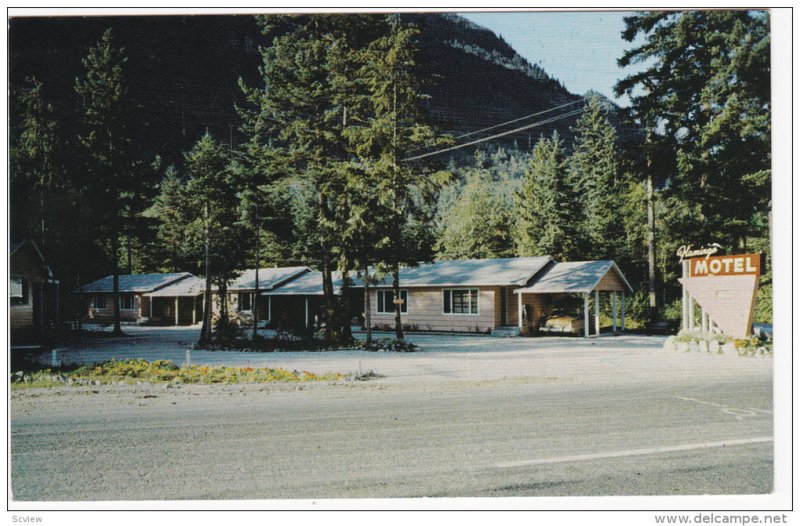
<point x="126" y="302"/>
<point x="386" y="301"/>
<point x="18" y="291"/>
<point x="245" y="303"/>
<point x="99" y="302"/>
<point x="460" y="301"/>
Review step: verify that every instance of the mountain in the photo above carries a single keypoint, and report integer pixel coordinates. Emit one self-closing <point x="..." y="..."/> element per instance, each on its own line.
<point x="183" y="73"/>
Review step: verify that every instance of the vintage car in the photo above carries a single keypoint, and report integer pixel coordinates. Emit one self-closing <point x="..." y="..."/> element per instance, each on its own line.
<point x="562" y="323"/>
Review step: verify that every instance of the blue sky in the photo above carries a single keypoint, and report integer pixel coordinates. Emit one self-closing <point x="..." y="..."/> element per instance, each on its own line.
<point x="579" y="49"/>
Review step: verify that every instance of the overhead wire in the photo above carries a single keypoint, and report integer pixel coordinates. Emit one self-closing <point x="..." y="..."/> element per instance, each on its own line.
<point x="496" y="136"/>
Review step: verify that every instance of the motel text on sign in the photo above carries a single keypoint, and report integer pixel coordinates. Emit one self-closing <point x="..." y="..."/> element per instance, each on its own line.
<point x="740" y="264"/>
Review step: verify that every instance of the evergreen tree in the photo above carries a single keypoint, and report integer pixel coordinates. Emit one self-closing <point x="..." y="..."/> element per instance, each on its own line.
<point x="301" y="108"/>
<point x="396" y="126"/>
<point x="478" y="223"/>
<point x="35" y="160"/>
<point x="111" y="182"/>
<point x="213" y="209"/>
<point x="705" y="95"/>
<point x="546" y="208"/>
<point x="594" y="174"/>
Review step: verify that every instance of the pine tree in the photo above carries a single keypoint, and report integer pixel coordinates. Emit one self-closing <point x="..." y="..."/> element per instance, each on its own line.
<point x="213" y="208"/>
<point x="111" y="181"/>
<point x="594" y="173"/>
<point x="478" y="223"/>
<point x="301" y="109"/>
<point x="35" y="160"/>
<point x="546" y="208"/>
<point x="396" y="126"/>
<point x="705" y="96"/>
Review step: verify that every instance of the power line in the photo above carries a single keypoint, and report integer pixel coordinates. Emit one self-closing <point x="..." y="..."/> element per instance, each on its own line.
<point x="509" y="132"/>
<point x="523" y="118"/>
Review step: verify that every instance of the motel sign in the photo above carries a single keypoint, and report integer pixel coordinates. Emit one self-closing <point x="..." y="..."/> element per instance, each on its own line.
<point x="723" y="286"/>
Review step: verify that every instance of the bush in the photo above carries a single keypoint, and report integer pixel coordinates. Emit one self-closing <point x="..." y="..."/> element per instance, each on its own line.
<point x="390" y="344"/>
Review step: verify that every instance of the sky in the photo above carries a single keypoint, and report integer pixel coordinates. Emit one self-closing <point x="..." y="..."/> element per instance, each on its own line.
<point x="579" y="49"/>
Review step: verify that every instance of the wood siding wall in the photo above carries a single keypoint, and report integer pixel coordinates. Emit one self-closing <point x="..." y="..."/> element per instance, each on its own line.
<point x="425" y="306"/>
<point x="107" y="314"/>
<point x="538" y="306"/>
<point x="25" y="264"/>
<point x="611" y="282"/>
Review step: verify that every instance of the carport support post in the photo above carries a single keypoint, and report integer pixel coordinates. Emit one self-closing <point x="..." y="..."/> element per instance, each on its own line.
<point x="176" y="310"/>
<point x="519" y="316"/>
<point x="269" y="308"/>
<point x="614" y="311"/>
<point x="586" y="315"/>
<point x="703" y="320"/>
<point x="622" y="327"/>
<point x="597" y="313"/>
<point x="194" y="311"/>
<point x="306" y="313"/>
<point x="152" y="299"/>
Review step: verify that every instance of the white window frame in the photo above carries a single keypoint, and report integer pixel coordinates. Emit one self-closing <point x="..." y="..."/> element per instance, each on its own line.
<point x="133" y="302"/>
<point x="404" y="305"/>
<point x="469" y="295"/>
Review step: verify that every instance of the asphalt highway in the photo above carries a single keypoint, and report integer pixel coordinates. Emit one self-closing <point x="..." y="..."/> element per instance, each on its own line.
<point x="702" y="432"/>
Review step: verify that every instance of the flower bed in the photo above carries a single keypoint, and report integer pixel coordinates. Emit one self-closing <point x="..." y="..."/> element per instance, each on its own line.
<point x="163" y="371"/>
<point x="697" y="341"/>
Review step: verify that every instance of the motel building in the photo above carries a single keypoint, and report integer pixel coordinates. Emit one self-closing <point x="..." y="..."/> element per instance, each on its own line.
<point x="506" y="296"/>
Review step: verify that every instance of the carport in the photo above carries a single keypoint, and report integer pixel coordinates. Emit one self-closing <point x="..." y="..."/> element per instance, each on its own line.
<point x="178" y="304"/>
<point x="577" y="277"/>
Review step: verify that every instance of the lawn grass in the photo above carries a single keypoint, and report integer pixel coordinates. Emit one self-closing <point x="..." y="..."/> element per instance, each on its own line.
<point x="163" y="371"/>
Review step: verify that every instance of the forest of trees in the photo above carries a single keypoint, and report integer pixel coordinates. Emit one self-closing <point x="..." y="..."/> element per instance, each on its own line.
<point x="320" y="176"/>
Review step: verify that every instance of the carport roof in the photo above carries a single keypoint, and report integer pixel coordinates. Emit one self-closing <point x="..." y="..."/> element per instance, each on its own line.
<point x="471" y="272"/>
<point x="192" y="286"/>
<point x="573" y="277"/>
<point x="268" y="278"/>
<point x="310" y="284"/>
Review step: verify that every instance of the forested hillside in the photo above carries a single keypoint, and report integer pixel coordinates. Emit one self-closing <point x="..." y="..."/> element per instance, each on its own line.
<point x="183" y="72"/>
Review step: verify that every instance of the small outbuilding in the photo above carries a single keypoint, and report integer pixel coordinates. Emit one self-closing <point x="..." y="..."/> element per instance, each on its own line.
<point x="32" y="290"/>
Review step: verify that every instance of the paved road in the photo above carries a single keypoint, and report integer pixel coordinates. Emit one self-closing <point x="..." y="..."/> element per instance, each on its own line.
<point x="564" y="420"/>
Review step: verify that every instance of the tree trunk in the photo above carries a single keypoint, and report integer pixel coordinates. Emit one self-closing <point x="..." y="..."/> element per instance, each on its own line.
<point x="651" y="248"/>
<point x="398" y="320"/>
<point x="367" y="306"/>
<point x="327" y="277"/>
<point x="258" y="289"/>
<point x="205" y="330"/>
<point x="347" y="315"/>
<point x="224" y="314"/>
<point x="327" y="291"/>
<point x="117" y="324"/>
<point x="130" y="256"/>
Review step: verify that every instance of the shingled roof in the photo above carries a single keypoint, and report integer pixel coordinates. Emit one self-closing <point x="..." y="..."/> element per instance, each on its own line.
<point x="471" y="272"/>
<point x="135" y="282"/>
